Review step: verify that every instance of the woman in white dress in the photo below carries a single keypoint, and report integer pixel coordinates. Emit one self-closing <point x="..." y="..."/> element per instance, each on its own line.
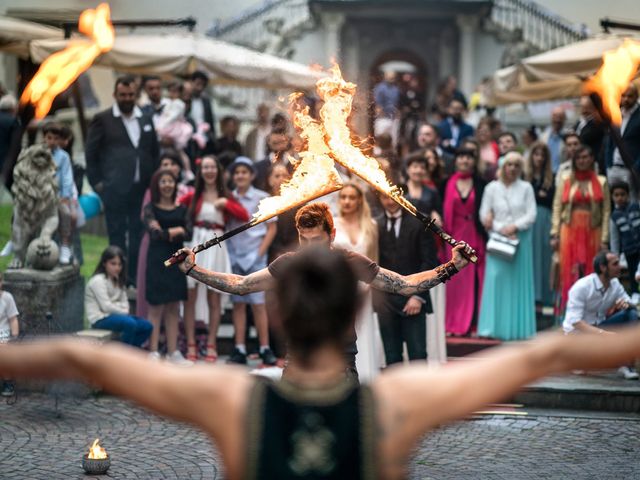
<point x="210" y="205"/>
<point x="357" y="231"/>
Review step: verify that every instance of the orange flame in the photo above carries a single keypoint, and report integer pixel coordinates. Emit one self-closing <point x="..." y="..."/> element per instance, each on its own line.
<point x="61" y="69"/>
<point x="314" y="174"/>
<point x="618" y="69"/>
<point x="96" y="451"/>
<point x="338" y="97"/>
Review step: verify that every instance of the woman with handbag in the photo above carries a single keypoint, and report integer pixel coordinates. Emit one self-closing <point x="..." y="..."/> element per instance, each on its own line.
<point x="508" y="211"/>
<point x="461" y="204"/>
<point x="580" y="219"/>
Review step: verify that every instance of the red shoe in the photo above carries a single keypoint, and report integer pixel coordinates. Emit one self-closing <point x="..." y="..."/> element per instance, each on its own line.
<point x="192" y="352"/>
<point x="211" y="357"/>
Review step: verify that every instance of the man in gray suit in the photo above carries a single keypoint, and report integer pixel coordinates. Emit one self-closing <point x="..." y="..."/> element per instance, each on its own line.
<point x="122" y="152"/>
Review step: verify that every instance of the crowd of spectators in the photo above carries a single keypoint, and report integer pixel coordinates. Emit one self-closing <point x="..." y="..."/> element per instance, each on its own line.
<point x="170" y="175"/>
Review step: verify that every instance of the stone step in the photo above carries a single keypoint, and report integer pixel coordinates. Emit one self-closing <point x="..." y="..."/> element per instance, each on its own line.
<point x="462" y="346"/>
<point x="601" y="390"/>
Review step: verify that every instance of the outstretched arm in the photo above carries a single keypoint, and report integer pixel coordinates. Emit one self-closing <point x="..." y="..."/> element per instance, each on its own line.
<point x="416" y="399"/>
<point x="227" y="282"/>
<point x="188" y="395"/>
<point x="392" y="282"/>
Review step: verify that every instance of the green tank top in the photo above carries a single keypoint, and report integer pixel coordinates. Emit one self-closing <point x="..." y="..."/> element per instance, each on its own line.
<point x="310" y="434"/>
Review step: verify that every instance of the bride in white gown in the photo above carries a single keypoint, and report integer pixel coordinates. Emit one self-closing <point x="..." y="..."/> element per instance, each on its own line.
<point x="357" y="231"/>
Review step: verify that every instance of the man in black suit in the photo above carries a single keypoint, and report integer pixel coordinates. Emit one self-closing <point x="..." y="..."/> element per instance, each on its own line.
<point x="406" y="248"/>
<point x="630" y="131"/>
<point x="122" y="153"/>
<point x="200" y="110"/>
<point x="591" y="130"/>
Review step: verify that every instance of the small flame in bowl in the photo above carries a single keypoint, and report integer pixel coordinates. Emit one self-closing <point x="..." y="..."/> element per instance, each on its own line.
<point x="96" y="452"/>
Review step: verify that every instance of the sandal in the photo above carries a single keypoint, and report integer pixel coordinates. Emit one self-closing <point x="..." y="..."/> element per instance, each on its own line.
<point x="211" y="357"/>
<point x="192" y="347"/>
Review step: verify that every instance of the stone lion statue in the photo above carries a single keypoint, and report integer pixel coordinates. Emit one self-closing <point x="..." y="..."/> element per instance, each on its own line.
<point x="35" y="207"/>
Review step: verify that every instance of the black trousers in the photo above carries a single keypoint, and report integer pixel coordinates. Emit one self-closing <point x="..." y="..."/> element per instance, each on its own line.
<point x="124" y="226"/>
<point x="397" y="328"/>
<point x="632" y="262"/>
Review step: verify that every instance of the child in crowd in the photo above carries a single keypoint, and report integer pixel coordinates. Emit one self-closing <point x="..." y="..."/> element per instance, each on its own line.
<point x="168" y="227"/>
<point x="9" y="328"/>
<point x="106" y="303"/>
<point x="67" y="211"/>
<point x="211" y="206"/>
<point x="624" y="229"/>
<point x="171" y="123"/>
<point x="248" y="254"/>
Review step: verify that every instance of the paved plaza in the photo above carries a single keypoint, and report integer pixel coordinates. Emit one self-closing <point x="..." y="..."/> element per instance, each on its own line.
<point x="39" y="440"/>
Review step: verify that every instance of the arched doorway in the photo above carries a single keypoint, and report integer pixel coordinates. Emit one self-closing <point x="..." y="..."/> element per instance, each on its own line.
<point x="411" y="77"/>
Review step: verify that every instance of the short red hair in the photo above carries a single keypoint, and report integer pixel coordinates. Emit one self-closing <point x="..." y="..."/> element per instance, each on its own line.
<point x="314" y="215"/>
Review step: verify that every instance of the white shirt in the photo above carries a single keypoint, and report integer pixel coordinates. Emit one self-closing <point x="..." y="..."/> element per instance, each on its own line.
<point x="132" y="125"/>
<point x="197" y="110"/>
<point x="511" y="205"/>
<point x="8" y="310"/>
<point x="589" y="301"/>
<point x="259" y="148"/>
<point x="102" y="298"/>
<point x="396" y="225"/>
<point x="626" y="115"/>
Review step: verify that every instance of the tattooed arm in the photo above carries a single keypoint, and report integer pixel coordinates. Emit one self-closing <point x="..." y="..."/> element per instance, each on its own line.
<point x="227" y="282"/>
<point x="392" y="282"/>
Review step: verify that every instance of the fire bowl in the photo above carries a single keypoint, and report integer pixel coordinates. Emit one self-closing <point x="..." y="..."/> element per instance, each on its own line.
<point x="95" y="466"/>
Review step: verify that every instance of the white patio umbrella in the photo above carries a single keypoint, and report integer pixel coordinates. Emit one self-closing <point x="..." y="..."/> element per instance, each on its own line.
<point x="183" y="53"/>
<point x="558" y="73"/>
<point x="15" y="35"/>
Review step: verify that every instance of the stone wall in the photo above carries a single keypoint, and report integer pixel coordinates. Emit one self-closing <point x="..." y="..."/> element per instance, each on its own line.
<point x="59" y="291"/>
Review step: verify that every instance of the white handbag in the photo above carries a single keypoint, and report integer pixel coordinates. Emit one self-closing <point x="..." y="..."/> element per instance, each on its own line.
<point x="501" y="246"/>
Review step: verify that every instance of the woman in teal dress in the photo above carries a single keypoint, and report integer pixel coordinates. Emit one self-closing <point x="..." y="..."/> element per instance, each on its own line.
<point x="507" y="310"/>
<point x="538" y="173"/>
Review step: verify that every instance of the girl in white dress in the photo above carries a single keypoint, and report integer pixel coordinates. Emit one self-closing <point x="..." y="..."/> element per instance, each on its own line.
<point x="357" y="231"/>
<point x="210" y="205"/>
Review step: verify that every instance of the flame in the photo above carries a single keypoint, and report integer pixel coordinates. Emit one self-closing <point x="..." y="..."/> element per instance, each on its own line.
<point x="61" y="69"/>
<point x="314" y="174"/>
<point x="337" y="95"/>
<point x="618" y="69"/>
<point x="96" y="451"/>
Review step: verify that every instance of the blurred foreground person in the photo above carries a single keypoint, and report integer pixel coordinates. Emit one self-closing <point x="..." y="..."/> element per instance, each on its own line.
<point x="315" y="424"/>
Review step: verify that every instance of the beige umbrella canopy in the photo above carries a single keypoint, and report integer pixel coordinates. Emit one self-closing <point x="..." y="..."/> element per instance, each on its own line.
<point x="181" y="54"/>
<point x="551" y="75"/>
<point x="15" y="35"/>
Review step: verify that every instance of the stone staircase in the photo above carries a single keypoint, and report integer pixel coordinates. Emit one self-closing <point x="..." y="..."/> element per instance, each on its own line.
<point x="529" y="28"/>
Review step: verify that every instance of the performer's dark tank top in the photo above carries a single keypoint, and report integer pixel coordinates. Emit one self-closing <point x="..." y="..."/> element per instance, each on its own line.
<point x="296" y="433"/>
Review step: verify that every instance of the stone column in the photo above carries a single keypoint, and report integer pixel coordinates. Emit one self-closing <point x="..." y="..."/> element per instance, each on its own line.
<point x="333" y="23"/>
<point x="446" y="63"/>
<point x="467" y="25"/>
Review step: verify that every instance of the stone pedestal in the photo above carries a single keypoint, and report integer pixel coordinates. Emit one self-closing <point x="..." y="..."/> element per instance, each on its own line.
<point x="59" y="291"/>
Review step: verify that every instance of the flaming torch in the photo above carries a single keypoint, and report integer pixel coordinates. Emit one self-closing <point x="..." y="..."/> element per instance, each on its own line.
<point x="338" y="96"/>
<point x="605" y="88"/>
<point x="314" y="176"/>
<point x="97" y="461"/>
<point x="62" y="68"/>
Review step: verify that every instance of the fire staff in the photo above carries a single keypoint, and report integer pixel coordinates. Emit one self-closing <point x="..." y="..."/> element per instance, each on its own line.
<point x="315" y="226"/>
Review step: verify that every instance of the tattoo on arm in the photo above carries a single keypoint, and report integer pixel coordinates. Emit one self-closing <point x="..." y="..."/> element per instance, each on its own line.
<point x="234" y="284"/>
<point x="408" y="285"/>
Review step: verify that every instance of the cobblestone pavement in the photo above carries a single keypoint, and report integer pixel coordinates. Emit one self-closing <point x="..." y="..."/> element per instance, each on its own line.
<point x="38" y="441"/>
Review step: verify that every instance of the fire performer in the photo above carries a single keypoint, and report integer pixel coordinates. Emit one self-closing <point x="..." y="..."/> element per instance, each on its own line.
<point x="314" y="223"/>
<point x="315" y="424"/>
